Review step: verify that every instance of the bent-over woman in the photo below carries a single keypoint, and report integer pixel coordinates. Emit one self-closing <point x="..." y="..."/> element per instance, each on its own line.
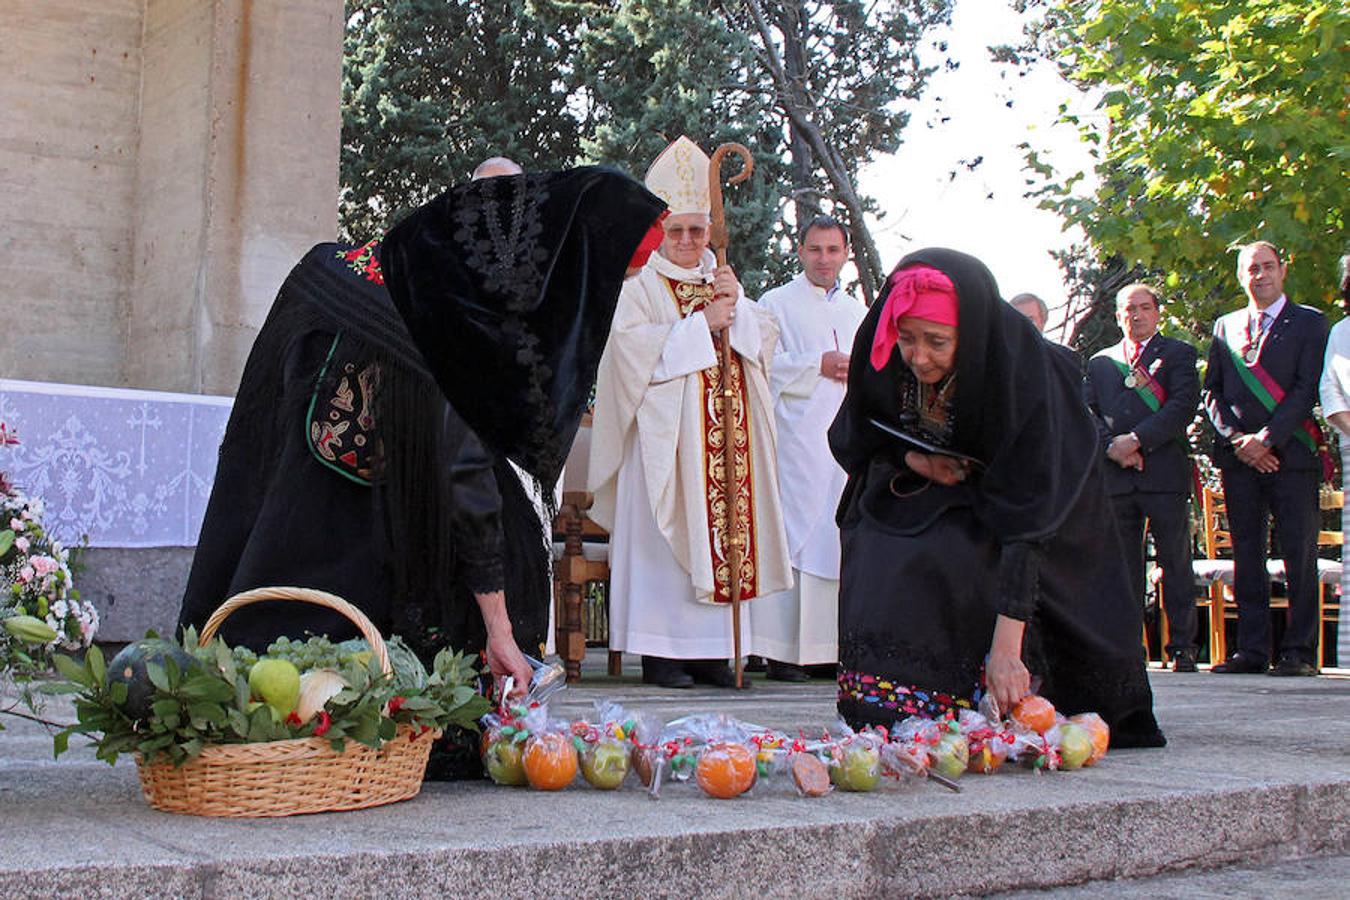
<point x="978" y="547"/>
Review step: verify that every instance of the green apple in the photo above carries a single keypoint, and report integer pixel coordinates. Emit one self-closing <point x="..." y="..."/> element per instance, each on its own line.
<point x="605" y="765"/>
<point x="275" y="682"/>
<point x="859" y="768"/>
<point x="503" y="759"/>
<point x="951" y="756"/>
<point x="1075" y="746"/>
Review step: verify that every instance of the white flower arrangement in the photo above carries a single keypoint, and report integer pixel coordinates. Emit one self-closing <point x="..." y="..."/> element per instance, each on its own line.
<point x="36" y="581"/>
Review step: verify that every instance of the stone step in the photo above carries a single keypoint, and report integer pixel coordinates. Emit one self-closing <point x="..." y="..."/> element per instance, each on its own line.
<point x="1257" y="770"/>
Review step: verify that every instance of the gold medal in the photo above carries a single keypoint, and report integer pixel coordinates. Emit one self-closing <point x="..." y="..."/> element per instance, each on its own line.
<point x="1252" y="355"/>
<point x="1131" y="382"/>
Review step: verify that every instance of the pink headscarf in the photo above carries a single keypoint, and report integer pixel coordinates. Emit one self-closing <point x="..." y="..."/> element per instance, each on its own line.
<point x="918" y="291"/>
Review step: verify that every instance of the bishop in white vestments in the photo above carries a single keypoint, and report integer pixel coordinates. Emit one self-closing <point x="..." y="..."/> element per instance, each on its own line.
<point x="656" y="470"/>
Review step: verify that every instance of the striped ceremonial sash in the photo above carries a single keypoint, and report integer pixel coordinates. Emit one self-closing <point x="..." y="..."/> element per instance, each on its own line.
<point x="1148" y="388"/>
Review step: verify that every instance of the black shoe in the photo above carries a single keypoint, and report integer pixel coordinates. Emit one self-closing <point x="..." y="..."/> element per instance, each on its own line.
<point x="1184" y="660"/>
<point x="1292" y="666"/>
<point x="667" y="673"/>
<point x="754" y="664"/>
<point x="1240" y="664"/>
<point x="780" y="671"/>
<point x="715" y="672"/>
<point x="828" y="671"/>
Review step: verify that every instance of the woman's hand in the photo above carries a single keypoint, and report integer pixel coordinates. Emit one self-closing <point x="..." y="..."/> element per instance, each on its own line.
<point x="1005" y="677"/>
<point x="503" y="656"/>
<point x="937" y="467"/>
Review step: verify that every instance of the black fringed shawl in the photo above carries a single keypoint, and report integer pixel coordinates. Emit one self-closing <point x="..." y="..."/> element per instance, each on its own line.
<point x="446" y="516"/>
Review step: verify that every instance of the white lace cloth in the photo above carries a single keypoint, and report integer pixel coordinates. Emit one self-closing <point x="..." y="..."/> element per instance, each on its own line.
<point x="124" y="468"/>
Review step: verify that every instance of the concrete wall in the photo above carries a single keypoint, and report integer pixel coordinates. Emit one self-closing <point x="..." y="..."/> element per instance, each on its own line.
<point x="69" y="79"/>
<point x="240" y="127"/>
<point x="164" y="163"/>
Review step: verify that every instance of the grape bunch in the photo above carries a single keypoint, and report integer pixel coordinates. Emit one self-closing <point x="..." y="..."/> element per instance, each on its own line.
<point x="244" y="658"/>
<point x="316" y="653"/>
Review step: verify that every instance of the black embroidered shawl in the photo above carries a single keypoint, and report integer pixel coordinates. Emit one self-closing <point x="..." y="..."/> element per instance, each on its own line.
<point x="508" y="286"/>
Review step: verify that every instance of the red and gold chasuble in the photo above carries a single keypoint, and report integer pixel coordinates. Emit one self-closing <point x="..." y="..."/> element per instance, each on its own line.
<point x="690" y="297"/>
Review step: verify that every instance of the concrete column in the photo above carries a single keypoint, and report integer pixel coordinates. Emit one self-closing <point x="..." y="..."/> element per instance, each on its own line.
<point x="69" y="79"/>
<point x="240" y="127"/>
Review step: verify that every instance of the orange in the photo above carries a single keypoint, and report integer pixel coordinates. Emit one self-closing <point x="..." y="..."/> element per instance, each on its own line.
<point x="550" y="762"/>
<point x="726" y="770"/>
<point x="1034" y="712"/>
<point x="1101" y="734"/>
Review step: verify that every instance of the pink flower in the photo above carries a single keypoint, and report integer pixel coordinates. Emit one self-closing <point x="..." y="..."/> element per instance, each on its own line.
<point x="44" y="565"/>
<point x="22" y="544"/>
<point x="25" y="574"/>
<point x="16" y="524"/>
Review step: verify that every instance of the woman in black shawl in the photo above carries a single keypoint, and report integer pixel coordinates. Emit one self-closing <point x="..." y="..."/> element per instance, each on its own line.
<point x="388" y="393"/>
<point x="978" y="547"/>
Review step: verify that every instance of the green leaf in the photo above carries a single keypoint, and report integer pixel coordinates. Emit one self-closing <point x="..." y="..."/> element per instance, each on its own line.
<point x="165" y="707"/>
<point x="158" y="677"/>
<point x="6" y="541"/>
<point x="93" y="658"/>
<point x="204" y="686"/>
<point x="61" y="742"/>
<point x="118" y="693"/>
<point x="73" y="671"/>
<point x="238" y="722"/>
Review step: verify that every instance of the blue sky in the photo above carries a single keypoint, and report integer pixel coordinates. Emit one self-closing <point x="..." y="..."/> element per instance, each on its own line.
<point x="926" y="207"/>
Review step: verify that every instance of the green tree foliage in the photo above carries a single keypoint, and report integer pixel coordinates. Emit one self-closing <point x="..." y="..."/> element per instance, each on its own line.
<point x="1225" y="122"/>
<point x="433" y="86"/>
<point x="656" y="69"/>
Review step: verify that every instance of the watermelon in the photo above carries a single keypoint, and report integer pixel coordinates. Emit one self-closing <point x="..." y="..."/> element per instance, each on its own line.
<point x="129" y="667"/>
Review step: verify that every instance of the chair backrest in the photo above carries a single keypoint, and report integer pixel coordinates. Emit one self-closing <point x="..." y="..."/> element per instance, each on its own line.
<point x="1329" y="499"/>
<point x="1215" y="514"/>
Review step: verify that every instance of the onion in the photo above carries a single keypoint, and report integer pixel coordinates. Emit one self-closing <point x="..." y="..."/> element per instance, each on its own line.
<point x="317" y="687"/>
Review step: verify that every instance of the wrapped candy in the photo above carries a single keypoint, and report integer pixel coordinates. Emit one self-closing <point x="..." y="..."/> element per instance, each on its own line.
<point x="714" y="750"/>
<point x="855" y="758"/>
<point x="989" y="746"/>
<point x="941" y="739"/>
<point x="503" y="748"/>
<point x="1098" y="730"/>
<point x="550" y="759"/>
<point x="604" y="747"/>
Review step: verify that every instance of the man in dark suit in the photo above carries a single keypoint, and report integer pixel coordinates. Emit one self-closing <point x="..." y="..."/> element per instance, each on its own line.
<point x="1143" y="392"/>
<point x="1260" y="387"/>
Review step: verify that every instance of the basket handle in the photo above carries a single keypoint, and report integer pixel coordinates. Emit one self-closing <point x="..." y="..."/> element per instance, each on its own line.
<point x="302" y="595"/>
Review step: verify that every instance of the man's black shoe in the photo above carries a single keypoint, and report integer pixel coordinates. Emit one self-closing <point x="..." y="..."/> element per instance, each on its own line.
<point x="780" y="671"/>
<point x="1183" y="661"/>
<point x="667" y="673"/>
<point x="1240" y="664"/>
<point x="715" y="672"/>
<point x="1292" y="666"/>
<point x="754" y="664"/>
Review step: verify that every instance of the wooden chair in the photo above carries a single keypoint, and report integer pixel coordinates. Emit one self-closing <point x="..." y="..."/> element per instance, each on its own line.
<point x="581" y="560"/>
<point x="1215" y="572"/>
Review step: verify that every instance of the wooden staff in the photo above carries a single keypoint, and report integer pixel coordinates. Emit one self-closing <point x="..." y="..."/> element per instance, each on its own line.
<point x="717" y="239"/>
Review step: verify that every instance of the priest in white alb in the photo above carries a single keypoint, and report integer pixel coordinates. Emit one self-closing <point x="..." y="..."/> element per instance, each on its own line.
<point x="656" y="469"/>
<point x="799" y="627"/>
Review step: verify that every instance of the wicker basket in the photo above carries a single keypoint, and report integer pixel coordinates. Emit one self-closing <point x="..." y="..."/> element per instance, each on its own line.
<point x="302" y="775"/>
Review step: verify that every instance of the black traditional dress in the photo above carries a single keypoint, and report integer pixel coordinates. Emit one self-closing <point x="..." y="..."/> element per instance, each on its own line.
<point x="367" y="453"/>
<point x="926" y="569"/>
